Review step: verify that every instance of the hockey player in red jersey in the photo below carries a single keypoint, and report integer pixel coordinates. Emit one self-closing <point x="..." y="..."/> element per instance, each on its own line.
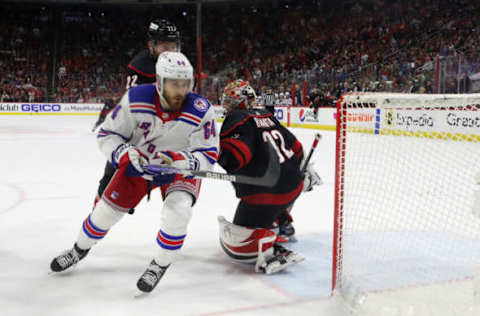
<point x="245" y="137"/>
<point x="164" y="124"/>
<point x="163" y="36"/>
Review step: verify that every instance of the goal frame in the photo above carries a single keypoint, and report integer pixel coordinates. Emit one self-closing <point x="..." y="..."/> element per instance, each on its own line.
<point x="441" y="101"/>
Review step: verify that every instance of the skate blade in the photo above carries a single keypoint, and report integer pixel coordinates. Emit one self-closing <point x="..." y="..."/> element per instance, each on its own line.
<point x="140" y="295"/>
<point x="286" y="239"/>
<point x="292" y="239"/>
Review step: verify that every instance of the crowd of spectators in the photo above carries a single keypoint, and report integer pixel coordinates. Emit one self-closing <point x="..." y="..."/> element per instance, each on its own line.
<point x="24" y="55"/>
<point x="96" y="46"/>
<point x="356" y="46"/>
<point x="79" y="53"/>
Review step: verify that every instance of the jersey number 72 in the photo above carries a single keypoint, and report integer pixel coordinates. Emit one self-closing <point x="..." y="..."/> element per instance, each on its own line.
<point x="273" y="136"/>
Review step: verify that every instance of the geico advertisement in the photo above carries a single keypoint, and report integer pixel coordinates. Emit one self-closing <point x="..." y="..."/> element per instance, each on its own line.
<point x="438" y="120"/>
<point x="49" y="108"/>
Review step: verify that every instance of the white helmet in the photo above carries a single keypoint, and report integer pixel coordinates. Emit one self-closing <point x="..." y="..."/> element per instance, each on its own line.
<point x="172" y="65"/>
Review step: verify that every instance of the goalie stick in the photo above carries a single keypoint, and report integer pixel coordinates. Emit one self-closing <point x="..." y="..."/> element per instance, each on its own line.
<point x="269" y="179"/>
<point x="304" y="166"/>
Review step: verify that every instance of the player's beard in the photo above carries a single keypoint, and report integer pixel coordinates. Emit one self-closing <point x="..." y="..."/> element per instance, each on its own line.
<point x="175" y="102"/>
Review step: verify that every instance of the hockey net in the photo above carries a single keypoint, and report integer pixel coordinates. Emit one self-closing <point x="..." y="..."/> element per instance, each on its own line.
<point x="405" y="239"/>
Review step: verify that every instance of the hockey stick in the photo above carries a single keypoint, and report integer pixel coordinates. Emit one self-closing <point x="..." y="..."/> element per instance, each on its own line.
<point x="269" y="179"/>
<point x="318" y="136"/>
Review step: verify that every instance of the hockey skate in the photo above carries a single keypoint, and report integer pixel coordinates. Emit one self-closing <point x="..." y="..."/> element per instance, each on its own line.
<point x="68" y="259"/>
<point x="287" y="231"/>
<point x="284" y="228"/>
<point x="151" y="277"/>
<point x="282" y="258"/>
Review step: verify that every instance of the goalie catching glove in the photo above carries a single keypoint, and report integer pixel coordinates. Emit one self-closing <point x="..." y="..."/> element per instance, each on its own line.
<point x="311" y="178"/>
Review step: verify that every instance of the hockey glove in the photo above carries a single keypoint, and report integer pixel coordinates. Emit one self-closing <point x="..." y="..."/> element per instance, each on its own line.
<point x="183" y="160"/>
<point x="160" y="175"/>
<point x="311" y="179"/>
<point x="127" y="154"/>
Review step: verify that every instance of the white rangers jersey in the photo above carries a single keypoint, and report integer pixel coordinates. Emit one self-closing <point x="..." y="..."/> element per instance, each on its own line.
<point x="140" y="120"/>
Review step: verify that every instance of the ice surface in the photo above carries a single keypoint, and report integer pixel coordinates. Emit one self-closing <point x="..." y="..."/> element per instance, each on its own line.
<point x="50" y="167"/>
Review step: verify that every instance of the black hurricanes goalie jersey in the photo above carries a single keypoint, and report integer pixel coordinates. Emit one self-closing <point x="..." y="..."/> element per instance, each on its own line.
<point x="244" y="140"/>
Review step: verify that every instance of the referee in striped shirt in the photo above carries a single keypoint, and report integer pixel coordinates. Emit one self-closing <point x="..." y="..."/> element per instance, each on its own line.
<point x="269" y="100"/>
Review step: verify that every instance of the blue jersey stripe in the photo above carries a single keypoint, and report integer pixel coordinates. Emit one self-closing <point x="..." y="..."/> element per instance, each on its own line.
<point x="88" y="233"/>
<point x="95" y="227"/>
<point x="210" y="159"/>
<point x="144" y="111"/>
<point x="207" y="149"/>
<point x="171" y="237"/>
<point x="108" y="132"/>
<point x="169" y="247"/>
<point x="186" y="121"/>
<point x="165" y="246"/>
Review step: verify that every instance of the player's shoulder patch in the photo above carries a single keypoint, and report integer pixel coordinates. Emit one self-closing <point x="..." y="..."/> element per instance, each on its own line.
<point x="201" y="104"/>
<point x="196" y="105"/>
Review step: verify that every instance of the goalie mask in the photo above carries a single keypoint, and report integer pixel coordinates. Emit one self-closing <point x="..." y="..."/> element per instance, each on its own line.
<point x="173" y="65"/>
<point x="238" y="95"/>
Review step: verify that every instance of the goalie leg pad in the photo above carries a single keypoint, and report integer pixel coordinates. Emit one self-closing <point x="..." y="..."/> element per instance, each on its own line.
<point x="244" y="244"/>
<point x="255" y="245"/>
<point x="97" y="224"/>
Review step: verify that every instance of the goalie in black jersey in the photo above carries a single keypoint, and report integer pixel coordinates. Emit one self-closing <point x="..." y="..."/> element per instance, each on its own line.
<point x="162" y="36"/>
<point x="245" y="138"/>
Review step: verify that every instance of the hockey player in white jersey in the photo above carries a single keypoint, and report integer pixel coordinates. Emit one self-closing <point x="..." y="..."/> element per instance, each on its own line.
<point x="162" y="123"/>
